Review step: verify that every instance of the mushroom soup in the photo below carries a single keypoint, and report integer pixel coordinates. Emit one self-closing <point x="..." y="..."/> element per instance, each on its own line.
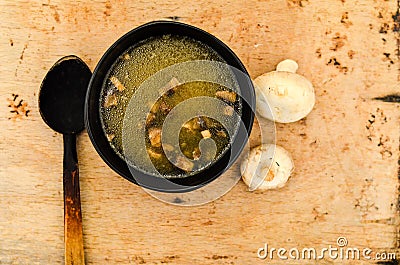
<point x="139" y="63"/>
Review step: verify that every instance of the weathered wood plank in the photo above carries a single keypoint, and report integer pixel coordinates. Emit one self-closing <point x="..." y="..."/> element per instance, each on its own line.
<point x="346" y="151"/>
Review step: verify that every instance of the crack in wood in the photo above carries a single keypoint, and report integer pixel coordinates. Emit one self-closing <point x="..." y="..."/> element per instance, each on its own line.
<point x="392" y="98"/>
<point x="174" y="18"/>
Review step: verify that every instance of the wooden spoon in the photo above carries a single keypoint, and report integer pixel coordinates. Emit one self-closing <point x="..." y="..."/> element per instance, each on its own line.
<point x="61" y="104"/>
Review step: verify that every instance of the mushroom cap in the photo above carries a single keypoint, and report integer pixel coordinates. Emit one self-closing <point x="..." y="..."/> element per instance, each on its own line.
<point x="267" y="166"/>
<point x="283" y="96"/>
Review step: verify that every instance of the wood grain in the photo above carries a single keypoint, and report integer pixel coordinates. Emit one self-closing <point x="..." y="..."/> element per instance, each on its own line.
<point x="346" y="151"/>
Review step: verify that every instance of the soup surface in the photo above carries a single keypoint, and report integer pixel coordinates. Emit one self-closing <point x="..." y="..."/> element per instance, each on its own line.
<point x="139" y="63"/>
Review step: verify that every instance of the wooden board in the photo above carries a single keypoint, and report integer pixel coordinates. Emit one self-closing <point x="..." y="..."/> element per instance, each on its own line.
<point x="346" y="151"/>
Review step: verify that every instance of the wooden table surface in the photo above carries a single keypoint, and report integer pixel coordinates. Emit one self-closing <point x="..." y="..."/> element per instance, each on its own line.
<point x="346" y="151"/>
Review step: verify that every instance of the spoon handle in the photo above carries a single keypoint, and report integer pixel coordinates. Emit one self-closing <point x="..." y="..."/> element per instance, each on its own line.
<point x="73" y="238"/>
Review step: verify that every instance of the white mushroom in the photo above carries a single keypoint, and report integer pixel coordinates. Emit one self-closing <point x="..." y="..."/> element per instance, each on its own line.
<point x="267" y="166"/>
<point x="282" y="95"/>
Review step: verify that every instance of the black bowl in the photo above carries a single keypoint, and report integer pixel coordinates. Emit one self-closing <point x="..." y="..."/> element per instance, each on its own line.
<point x="100" y="142"/>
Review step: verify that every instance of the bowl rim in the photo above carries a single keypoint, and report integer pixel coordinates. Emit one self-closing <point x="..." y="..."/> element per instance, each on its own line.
<point x="93" y="124"/>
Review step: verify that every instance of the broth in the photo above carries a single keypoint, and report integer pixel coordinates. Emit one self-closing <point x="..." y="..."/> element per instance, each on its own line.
<point x="142" y="61"/>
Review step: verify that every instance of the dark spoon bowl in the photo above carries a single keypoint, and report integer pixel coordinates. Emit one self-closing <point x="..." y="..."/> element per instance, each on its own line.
<point x="61" y="105"/>
<point x="92" y="106"/>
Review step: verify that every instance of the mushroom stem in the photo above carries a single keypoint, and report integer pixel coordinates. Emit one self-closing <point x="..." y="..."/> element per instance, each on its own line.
<point x="287" y="66"/>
